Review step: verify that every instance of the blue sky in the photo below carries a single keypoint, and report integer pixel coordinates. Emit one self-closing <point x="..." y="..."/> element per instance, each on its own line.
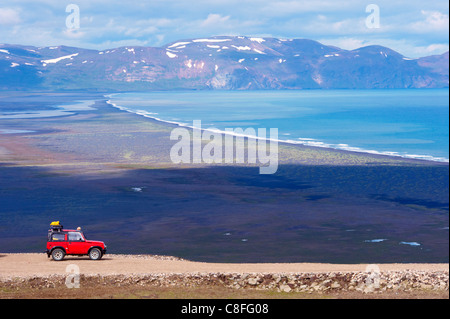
<point x="413" y="28"/>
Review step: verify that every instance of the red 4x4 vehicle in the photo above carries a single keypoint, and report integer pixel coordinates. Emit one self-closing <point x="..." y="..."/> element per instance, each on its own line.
<point x="62" y="242"/>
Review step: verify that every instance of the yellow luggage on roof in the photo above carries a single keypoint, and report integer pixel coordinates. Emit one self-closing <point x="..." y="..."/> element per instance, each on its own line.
<point x="54" y="223"/>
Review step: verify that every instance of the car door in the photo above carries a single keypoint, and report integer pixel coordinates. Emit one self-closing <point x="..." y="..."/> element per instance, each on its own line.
<point x="76" y="243"/>
<point x="58" y="239"/>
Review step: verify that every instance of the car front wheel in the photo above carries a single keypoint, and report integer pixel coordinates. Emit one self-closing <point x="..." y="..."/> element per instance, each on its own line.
<point x="58" y="254"/>
<point x="95" y="254"/>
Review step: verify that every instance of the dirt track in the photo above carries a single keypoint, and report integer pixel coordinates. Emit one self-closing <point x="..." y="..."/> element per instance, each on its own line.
<point x="144" y="276"/>
<point x="24" y="265"/>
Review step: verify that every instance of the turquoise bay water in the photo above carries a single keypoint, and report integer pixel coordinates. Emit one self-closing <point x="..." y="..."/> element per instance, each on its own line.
<point x="409" y="123"/>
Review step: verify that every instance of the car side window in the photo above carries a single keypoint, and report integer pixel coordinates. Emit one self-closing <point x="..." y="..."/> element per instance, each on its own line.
<point x="58" y="237"/>
<point x="74" y="236"/>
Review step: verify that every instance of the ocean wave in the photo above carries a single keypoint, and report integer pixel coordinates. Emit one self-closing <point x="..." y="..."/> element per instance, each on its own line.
<point x="8" y="131"/>
<point x="410" y="243"/>
<point x="375" y="240"/>
<point x="346" y="147"/>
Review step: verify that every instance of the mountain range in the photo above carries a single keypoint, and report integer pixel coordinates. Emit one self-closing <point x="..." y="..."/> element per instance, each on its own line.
<point x="222" y="62"/>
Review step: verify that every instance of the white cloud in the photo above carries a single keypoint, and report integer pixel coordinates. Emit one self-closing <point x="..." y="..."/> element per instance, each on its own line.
<point x="345" y="43"/>
<point x="214" y="19"/>
<point x="403" y="46"/>
<point x="73" y="33"/>
<point x="281" y="8"/>
<point x="418" y="28"/>
<point x="434" y="21"/>
<point x="9" y="16"/>
<point x="432" y="49"/>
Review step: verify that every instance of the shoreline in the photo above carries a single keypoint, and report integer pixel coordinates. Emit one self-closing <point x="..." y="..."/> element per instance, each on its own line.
<point x="86" y="105"/>
<point x="377" y="155"/>
<point x="306" y="142"/>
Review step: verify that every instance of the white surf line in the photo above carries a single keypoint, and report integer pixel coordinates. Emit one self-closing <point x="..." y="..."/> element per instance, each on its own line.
<point x="301" y="141"/>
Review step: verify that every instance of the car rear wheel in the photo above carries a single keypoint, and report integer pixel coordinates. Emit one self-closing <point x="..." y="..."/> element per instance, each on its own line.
<point x="58" y="254"/>
<point x="95" y="254"/>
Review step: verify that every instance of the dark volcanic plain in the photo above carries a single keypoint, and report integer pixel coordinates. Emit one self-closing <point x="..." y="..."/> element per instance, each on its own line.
<point x="109" y="172"/>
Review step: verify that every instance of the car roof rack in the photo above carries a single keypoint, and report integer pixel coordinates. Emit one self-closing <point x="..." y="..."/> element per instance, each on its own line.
<point x="55" y="226"/>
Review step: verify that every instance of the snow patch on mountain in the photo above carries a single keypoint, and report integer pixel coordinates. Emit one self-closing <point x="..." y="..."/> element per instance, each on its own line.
<point x="59" y="59"/>
<point x="259" y="40"/>
<point x="243" y="48"/>
<point x="171" y="55"/>
<point x="178" y="44"/>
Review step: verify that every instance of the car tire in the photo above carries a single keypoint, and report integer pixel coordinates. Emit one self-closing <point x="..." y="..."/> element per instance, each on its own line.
<point x="95" y="254"/>
<point x="58" y="254"/>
